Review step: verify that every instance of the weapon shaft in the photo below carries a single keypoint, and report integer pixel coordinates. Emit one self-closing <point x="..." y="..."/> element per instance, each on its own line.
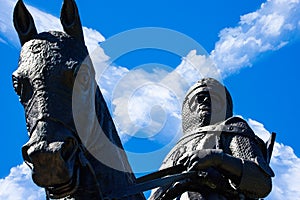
<point x="161" y="173"/>
<point x="151" y="184"/>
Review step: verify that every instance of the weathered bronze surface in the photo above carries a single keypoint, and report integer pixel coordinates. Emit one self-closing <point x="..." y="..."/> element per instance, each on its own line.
<point x="49" y="65"/>
<point x="231" y="161"/>
<point x="219" y="156"/>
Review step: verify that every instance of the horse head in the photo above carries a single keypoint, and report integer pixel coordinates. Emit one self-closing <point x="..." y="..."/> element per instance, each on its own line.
<point x="50" y="63"/>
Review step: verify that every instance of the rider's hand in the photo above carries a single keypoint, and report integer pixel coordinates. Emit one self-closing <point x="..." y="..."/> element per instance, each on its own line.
<point x="202" y="159"/>
<point x="231" y="167"/>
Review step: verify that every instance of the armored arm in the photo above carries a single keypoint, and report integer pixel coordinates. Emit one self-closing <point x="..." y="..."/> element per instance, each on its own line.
<point x="241" y="143"/>
<point x="245" y="176"/>
<point x="242" y="158"/>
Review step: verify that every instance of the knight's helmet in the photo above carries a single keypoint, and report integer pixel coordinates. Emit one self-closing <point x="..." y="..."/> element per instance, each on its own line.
<point x="206" y="103"/>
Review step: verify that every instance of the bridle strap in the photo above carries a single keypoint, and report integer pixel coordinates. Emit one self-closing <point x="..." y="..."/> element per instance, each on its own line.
<point x="84" y="162"/>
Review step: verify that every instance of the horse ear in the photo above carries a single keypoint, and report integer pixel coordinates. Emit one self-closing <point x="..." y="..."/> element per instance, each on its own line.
<point x="23" y="23"/>
<point x="70" y="20"/>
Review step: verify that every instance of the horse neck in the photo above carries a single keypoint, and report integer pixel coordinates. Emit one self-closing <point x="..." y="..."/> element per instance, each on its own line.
<point x="111" y="165"/>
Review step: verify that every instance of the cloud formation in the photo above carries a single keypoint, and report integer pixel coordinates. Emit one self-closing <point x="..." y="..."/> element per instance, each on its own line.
<point x="153" y="96"/>
<point x="274" y="25"/>
<point x="43" y="22"/>
<point x="18" y="185"/>
<point x="285" y="164"/>
<point x="145" y="100"/>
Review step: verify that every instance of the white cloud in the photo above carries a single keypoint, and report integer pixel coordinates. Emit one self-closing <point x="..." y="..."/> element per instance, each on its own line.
<point x="141" y="103"/>
<point x="18" y="185"/>
<point x="108" y="77"/>
<point x="285" y="164"/>
<point x="43" y="22"/>
<point x="287" y="168"/>
<point x="192" y="68"/>
<point x="267" y="29"/>
<point x="259" y="129"/>
<point x="145" y="101"/>
<point x="6" y="28"/>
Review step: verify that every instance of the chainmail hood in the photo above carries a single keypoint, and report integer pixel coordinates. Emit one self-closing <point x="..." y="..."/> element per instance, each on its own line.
<point x="219" y="105"/>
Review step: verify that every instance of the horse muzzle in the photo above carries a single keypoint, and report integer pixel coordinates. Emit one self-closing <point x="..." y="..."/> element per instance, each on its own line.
<point x="51" y="153"/>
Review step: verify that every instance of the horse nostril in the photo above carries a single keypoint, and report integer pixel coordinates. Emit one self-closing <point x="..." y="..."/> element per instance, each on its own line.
<point x="69" y="148"/>
<point x="26" y="157"/>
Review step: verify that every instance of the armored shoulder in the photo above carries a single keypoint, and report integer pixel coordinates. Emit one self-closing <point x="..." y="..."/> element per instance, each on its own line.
<point x="240" y="141"/>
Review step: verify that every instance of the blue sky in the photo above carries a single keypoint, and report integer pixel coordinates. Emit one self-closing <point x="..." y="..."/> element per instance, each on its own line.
<point x="254" y="45"/>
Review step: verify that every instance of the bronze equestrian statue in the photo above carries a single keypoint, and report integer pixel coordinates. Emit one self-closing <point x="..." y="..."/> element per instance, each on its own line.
<point x="50" y="63"/>
<point x="230" y="161"/>
<point x="219" y="156"/>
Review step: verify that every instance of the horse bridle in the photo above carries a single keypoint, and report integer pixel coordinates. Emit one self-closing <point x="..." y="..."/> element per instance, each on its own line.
<point x="81" y="160"/>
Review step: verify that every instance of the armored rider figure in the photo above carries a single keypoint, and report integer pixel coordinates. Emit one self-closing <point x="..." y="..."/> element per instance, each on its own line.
<point x="232" y="162"/>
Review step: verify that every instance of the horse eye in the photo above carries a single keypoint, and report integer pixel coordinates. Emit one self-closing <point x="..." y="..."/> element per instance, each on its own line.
<point x="17" y="86"/>
<point x="22" y="88"/>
